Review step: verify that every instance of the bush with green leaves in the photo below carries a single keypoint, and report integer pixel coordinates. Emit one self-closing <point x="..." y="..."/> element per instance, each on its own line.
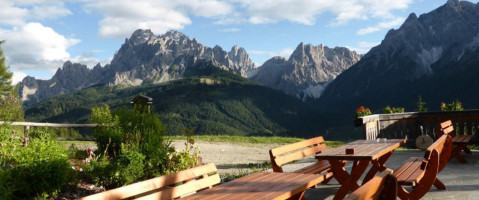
<point x="108" y="130"/>
<point x="389" y="110"/>
<point x="31" y="168"/>
<point x="134" y="147"/>
<point x="454" y="106"/>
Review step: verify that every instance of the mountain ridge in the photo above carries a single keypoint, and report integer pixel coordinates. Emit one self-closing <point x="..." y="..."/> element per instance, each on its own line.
<point x="143" y="58"/>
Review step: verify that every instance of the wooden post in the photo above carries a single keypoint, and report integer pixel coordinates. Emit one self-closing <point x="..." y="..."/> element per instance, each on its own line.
<point x="25" y="131"/>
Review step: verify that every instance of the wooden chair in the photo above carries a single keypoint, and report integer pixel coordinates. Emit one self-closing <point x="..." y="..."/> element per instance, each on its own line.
<point x="296" y="151"/>
<point x="421" y="173"/>
<point x="458" y="141"/>
<point x="382" y="186"/>
<point x="165" y="187"/>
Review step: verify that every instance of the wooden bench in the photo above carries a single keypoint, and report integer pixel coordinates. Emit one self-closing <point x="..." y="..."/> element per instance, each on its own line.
<point x="165" y="187"/>
<point x="382" y="186"/>
<point x="296" y="151"/>
<point x="458" y="141"/>
<point x="421" y="173"/>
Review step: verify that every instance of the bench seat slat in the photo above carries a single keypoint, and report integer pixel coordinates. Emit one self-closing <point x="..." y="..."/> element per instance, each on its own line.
<point x="184" y="189"/>
<point x="315" y="168"/>
<point x="160" y="184"/>
<point x="411" y="172"/>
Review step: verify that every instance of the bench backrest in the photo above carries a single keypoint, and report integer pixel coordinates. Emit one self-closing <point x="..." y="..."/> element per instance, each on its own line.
<point x="445" y="127"/>
<point x="291" y="152"/>
<point x="382" y="186"/>
<point x="165" y="187"/>
<point x="443" y="146"/>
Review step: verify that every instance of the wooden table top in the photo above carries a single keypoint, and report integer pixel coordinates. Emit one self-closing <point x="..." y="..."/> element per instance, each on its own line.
<point x="363" y="149"/>
<point x="261" y="185"/>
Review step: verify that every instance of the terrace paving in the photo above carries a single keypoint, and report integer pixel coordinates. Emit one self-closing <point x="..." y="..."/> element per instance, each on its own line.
<point x="461" y="180"/>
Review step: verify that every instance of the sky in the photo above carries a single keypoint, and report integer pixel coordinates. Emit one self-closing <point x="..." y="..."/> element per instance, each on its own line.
<point x="42" y="34"/>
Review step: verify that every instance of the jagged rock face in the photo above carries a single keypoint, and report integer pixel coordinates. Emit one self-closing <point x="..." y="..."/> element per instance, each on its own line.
<point x="409" y="61"/>
<point x="69" y="78"/>
<point x="308" y="70"/>
<point x="143" y="58"/>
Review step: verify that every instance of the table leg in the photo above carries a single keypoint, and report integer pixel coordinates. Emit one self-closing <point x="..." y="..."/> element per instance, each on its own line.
<point x="378" y="165"/>
<point x="348" y="181"/>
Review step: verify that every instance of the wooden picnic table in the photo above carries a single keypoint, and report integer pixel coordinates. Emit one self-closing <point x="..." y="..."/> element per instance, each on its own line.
<point x="262" y="185"/>
<point x="363" y="153"/>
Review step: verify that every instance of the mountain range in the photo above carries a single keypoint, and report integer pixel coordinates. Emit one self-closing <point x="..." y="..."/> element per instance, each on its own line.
<point x="209" y="100"/>
<point x="145" y="58"/>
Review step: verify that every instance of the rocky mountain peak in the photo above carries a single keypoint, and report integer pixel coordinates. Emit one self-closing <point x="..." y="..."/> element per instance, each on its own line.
<point x="141" y="36"/>
<point x="307" y="71"/>
<point x="175" y="35"/>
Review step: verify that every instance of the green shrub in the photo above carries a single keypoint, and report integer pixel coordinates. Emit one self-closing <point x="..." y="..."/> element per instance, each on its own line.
<point x="130" y="164"/>
<point x="389" y="110"/>
<point x="101" y="172"/>
<point x="42" y="133"/>
<point x="454" y="106"/>
<point x="10" y="107"/>
<point x="33" y="170"/>
<point x="108" y="131"/>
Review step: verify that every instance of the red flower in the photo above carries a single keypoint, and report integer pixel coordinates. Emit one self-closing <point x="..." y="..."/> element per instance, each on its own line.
<point x="459" y="103"/>
<point x="442" y="103"/>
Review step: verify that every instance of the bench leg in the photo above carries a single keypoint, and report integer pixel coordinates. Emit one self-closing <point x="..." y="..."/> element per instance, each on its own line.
<point x="467" y="150"/>
<point x="439" y="185"/>
<point x="456" y="152"/>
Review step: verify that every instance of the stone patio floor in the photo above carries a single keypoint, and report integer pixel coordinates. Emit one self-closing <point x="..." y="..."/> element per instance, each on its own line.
<point x="461" y="180"/>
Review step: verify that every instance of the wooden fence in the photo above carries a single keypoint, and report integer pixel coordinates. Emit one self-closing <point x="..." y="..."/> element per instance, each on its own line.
<point x="28" y="125"/>
<point x="412" y="124"/>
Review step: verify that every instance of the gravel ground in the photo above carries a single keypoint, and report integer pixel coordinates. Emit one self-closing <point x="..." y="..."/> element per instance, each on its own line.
<point x="230" y="158"/>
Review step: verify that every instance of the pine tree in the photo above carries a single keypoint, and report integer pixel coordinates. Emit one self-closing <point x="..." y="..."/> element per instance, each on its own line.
<point x="10" y="104"/>
<point x="5" y="76"/>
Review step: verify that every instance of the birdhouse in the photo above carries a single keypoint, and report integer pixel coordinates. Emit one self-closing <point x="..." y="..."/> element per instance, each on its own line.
<point x="142" y="101"/>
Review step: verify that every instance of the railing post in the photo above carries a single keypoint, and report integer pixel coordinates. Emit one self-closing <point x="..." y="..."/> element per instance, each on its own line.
<point x="25" y="131"/>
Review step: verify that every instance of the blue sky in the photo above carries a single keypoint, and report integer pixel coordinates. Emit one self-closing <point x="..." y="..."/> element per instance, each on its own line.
<point x="42" y="34"/>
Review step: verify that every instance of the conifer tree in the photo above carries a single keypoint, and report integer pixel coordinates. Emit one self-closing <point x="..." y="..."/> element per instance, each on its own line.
<point x="10" y="104"/>
<point x="5" y="75"/>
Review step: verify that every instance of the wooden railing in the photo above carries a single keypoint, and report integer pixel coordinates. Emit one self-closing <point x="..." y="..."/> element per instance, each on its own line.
<point x="27" y="126"/>
<point x="413" y="124"/>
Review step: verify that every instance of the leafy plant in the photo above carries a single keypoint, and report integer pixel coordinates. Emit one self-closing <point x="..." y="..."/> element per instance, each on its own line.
<point x="454" y="106"/>
<point x="389" y="110"/>
<point x="420" y="105"/>
<point x="35" y="169"/>
<point x="361" y="111"/>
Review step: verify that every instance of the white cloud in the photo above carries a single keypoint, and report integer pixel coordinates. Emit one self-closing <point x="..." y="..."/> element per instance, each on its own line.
<point x="383" y="25"/>
<point x="17" y="12"/>
<point x="285" y="53"/>
<point x="306" y="11"/>
<point x="230" y="30"/>
<point x="18" y="77"/>
<point x="122" y="17"/>
<point x="34" y="47"/>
